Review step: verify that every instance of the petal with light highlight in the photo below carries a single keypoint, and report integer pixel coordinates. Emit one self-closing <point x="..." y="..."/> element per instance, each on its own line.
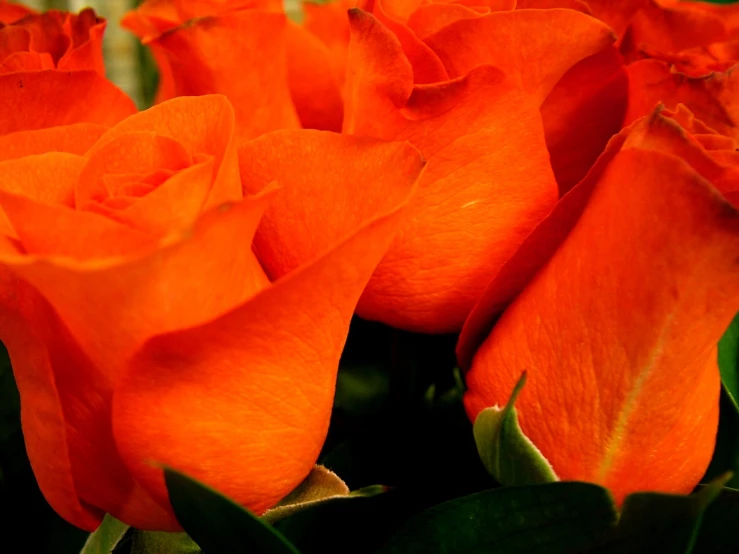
<point x="269" y="367"/>
<point x="619" y="331"/>
<point x="554" y="40"/>
<point x="203" y="53"/>
<point x="87" y="98"/>
<point x="73" y="139"/>
<point x="487" y="184"/>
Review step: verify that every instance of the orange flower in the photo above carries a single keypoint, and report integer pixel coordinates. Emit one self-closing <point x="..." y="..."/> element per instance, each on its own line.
<point x="680" y="53"/>
<point x="583" y="110"/>
<point x="10" y="12"/>
<point x="634" y="281"/>
<point x="273" y="70"/>
<point x="697" y="37"/>
<point x="489" y="180"/>
<point x="52" y="73"/>
<point x="141" y="327"/>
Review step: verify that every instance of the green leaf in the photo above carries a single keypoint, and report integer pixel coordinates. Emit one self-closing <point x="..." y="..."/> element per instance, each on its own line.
<point x="506" y="452"/>
<point x="728" y="360"/>
<point x="156" y="542"/>
<point x="320" y="485"/>
<point x="652" y="522"/>
<point x="218" y="524"/>
<point x="361" y="390"/>
<point x="106" y="537"/>
<point x="548" y="519"/>
<point x="726" y="453"/>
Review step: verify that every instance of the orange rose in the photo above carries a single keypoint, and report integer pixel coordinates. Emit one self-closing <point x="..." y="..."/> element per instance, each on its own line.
<point x="51" y="72"/>
<point x="12" y="12"/>
<point x="489" y="180"/>
<point x="633" y="282"/>
<point x="141" y="326"/>
<point x="680" y="53"/>
<point x="272" y="69"/>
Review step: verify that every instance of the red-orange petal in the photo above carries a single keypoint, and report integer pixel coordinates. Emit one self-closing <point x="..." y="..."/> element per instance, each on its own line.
<point x="73" y="139"/>
<point x="674" y="28"/>
<point x="577" y="5"/>
<point x="427" y="67"/>
<point x="202" y="125"/>
<point x="335" y="183"/>
<point x="487" y="184"/>
<point x="255" y="442"/>
<point x="430" y="18"/>
<point x="330" y="24"/>
<point x="616" y="15"/>
<point x="656" y="132"/>
<point x="315" y="87"/>
<point x="555" y="41"/>
<point x="10" y="12"/>
<point x="48" y="178"/>
<point x="45" y="427"/>
<point x="624" y="320"/>
<point x="66" y="231"/>
<point x="583" y="111"/>
<point x="51" y="98"/>
<point x="137" y="152"/>
<point x="533" y="254"/>
<point x="714" y="99"/>
<point x="203" y="53"/>
<point x="86" y="32"/>
<point x="155" y="291"/>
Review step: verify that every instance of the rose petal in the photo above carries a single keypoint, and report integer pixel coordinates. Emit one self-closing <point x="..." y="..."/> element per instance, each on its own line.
<point x="157" y="291"/>
<point x="533" y="254"/>
<point x="48" y="178"/>
<point x="655" y="133"/>
<point x="314" y="86"/>
<point x="26" y="61"/>
<point x="616" y="15"/>
<point x="714" y="99"/>
<point x="73" y="139"/>
<point x="67" y="232"/>
<point x="255" y="441"/>
<point x="583" y="111"/>
<point x="330" y="24"/>
<point x="430" y="18"/>
<point x="577" y="5"/>
<point x="13" y="38"/>
<point x="44" y="424"/>
<point x="9" y="13"/>
<point x="671" y="29"/>
<point x="427" y="67"/>
<point x="202" y="125"/>
<point x="37" y="103"/>
<point x="357" y="177"/>
<point x="624" y="320"/>
<point x="203" y="53"/>
<point x="141" y="151"/>
<point x="86" y="31"/>
<point x="487" y="184"/>
<point x="555" y="41"/>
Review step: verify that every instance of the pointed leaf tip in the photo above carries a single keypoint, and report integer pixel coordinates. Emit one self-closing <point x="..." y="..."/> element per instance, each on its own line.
<point x="219" y="525"/>
<point x="506" y="452"/>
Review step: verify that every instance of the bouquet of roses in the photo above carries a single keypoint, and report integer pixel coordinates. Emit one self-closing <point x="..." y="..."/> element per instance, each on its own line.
<point x="384" y="276"/>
